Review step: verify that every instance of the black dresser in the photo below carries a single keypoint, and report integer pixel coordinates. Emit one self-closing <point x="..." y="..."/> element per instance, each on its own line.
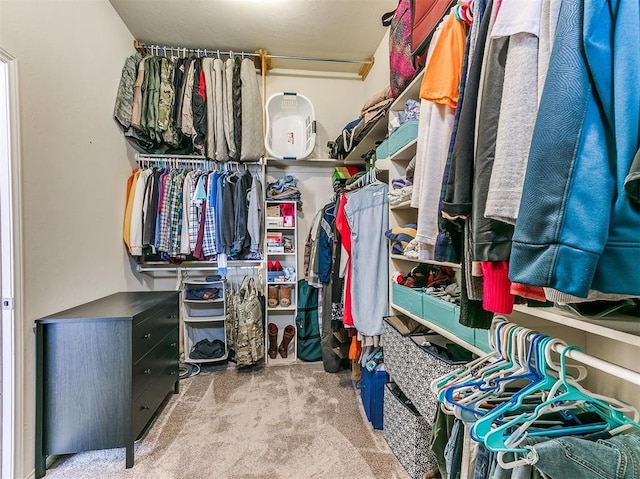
<point x="102" y="371"/>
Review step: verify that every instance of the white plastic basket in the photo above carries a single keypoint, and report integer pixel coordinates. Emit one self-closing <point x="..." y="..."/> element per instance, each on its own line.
<point x="291" y="126"/>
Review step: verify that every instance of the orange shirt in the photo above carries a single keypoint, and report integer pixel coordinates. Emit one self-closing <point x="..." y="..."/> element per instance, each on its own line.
<point x="443" y="72"/>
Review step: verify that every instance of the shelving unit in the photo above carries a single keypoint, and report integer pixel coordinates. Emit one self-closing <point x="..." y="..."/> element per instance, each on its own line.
<point x="203" y="313"/>
<point x="279" y="314"/>
<point x="379" y="131"/>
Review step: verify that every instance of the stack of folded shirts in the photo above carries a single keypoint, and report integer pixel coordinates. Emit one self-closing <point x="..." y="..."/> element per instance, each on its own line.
<point x="401" y="195"/>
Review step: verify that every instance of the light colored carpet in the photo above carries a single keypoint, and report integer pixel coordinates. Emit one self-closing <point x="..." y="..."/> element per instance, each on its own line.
<point x="278" y="422"/>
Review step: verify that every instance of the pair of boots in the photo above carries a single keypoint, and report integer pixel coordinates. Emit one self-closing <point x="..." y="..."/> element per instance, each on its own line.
<point x="280" y="294"/>
<point x="287" y="335"/>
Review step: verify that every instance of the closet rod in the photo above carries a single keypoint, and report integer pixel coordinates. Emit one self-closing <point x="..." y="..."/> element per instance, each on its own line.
<point x="145" y="156"/>
<point x="161" y="49"/>
<point x="605" y="366"/>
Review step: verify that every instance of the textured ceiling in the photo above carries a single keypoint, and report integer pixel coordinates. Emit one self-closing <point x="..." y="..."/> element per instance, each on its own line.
<point x="343" y="29"/>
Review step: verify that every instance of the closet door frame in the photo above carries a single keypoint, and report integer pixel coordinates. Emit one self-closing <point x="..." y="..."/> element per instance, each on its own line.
<point x="12" y="334"/>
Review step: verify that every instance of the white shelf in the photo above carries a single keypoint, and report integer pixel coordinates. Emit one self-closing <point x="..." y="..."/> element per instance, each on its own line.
<point x="282" y="282"/>
<point x="280" y="228"/>
<point x="202" y="282"/>
<point x="412" y="92"/>
<point x="440" y="330"/>
<point x="406" y="152"/>
<point x="280" y="254"/>
<point x="377" y="133"/>
<point x="428" y="261"/>
<point x="280" y="308"/>
<point x="203" y="319"/>
<point x="204" y="301"/>
<point x="405" y="205"/>
<point x="305" y="162"/>
<point x="212" y="360"/>
<point x="625" y="329"/>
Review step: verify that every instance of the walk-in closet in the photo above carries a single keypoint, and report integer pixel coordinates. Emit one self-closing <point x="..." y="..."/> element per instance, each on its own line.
<point x="289" y="239"/>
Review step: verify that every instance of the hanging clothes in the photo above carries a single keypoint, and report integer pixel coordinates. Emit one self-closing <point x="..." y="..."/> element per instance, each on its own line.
<point x="178" y="214"/>
<point x="191" y="105"/>
<point x="367" y="213"/>
<point x="248" y="331"/>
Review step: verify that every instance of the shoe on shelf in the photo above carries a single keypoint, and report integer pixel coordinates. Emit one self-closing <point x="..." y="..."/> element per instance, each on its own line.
<point x="272" y="331"/>
<point x="288" y="334"/>
<point x="286" y="291"/>
<point x="277" y="266"/>
<point x="270" y="266"/>
<point x="274" y="295"/>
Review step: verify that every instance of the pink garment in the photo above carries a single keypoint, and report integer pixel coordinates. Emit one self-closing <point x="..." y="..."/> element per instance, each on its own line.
<point x="496" y="292"/>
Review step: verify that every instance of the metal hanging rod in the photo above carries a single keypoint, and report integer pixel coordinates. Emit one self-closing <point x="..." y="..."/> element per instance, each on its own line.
<point x="311" y="59"/>
<point x="182" y="51"/>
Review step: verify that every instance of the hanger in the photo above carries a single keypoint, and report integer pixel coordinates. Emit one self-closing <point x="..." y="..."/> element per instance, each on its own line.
<point x="613" y="412"/>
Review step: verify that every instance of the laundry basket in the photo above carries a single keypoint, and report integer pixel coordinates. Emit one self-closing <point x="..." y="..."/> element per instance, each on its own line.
<point x="291" y="126"/>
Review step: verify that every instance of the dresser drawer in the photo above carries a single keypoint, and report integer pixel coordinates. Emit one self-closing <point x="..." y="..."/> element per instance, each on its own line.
<point x="151" y="331"/>
<point x="146" y="404"/>
<point x="147" y="370"/>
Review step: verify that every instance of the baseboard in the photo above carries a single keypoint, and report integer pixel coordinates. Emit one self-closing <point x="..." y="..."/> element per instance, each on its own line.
<point x="49" y="462"/>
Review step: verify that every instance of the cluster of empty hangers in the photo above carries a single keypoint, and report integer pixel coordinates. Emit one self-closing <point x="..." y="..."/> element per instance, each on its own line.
<point x="510" y="394"/>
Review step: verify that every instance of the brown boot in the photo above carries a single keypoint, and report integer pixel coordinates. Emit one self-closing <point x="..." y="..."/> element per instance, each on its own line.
<point x="272" y="330"/>
<point x="285" y="295"/>
<point x="274" y="295"/>
<point x="287" y="336"/>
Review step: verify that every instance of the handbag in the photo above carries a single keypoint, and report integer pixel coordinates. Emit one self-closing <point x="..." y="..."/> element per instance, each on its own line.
<point x="425" y="16"/>
<point x="401" y="65"/>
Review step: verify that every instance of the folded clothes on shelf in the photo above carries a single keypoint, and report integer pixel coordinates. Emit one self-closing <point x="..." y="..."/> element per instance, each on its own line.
<point x="285" y="188"/>
<point x="205" y="349"/>
<point x="400" y="236"/>
<point x="400" y="182"/>
<point x="206" y="294"/>
<point x="400" y="195"/>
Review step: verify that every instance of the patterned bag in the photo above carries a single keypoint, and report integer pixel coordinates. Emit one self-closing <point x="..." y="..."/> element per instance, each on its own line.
<point x="400" y="58"/>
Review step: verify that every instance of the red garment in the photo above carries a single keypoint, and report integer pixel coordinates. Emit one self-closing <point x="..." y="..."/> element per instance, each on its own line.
<point x="535" y="293"/>
<point x="197" y="252"/>
<point x="342" y="225"/>
<point x="201" y="87"/>
<point x="496" y="289"/>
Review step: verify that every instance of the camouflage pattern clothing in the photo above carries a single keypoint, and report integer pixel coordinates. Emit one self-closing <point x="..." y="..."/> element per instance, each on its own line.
<point x="124" y="99"/>
<point x="248" y="327"/>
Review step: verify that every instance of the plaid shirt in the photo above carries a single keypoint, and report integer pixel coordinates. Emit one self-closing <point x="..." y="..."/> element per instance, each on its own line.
<point x="209" y="239"/>
<point x="175" y="214"/>
<point x="195" y="209"/>
<point x="163" y="237"/>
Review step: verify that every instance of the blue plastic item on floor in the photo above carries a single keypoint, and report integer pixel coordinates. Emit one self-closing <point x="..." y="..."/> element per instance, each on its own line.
<point x="372" y="394"/>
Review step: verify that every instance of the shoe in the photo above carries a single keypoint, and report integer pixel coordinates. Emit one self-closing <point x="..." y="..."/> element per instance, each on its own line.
<point x="272" y="331"/>
<point x="274" y="295"/>
<point x="288" y="245"/>
<point x="286" y="291"/>
<point x="277" y="266"/>
<point x="270" y="266"/>
<point x="287" y="336"/>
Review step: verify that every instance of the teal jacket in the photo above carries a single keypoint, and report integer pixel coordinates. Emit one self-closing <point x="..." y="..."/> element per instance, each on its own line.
<point x="577" y="229"/>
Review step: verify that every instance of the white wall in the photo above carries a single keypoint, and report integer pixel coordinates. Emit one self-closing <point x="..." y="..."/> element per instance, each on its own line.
<point x="74" y="162"/>
<point x="337" y="99"/>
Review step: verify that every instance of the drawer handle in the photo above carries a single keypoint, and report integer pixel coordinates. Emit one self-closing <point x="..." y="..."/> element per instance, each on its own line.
<point x="173" y="373"/>
<point x="146" y="336"/>
<point x="172" y="316"/>
<point x="147" y="371"/>
<point x="144" y="407"/>
<point x="174" y="344"/>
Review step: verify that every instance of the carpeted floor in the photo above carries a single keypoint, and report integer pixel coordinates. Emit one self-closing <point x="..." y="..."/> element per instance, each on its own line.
<point x="272" y="423"/>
